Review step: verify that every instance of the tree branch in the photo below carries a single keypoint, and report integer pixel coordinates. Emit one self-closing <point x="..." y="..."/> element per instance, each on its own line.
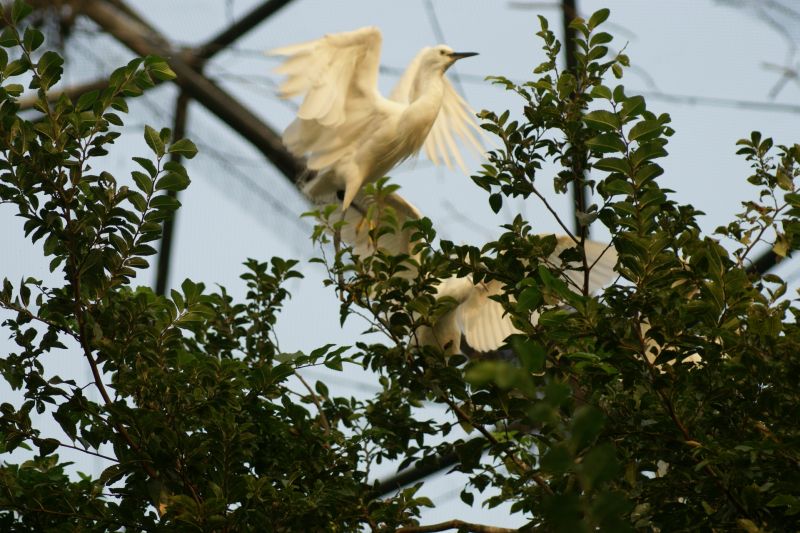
<point x="491" y="438"/>
<point x="145" y="41"/>
<point x="456" y="524"/>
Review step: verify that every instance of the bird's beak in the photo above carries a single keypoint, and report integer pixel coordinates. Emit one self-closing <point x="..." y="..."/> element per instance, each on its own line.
<point x="461" y="55"/>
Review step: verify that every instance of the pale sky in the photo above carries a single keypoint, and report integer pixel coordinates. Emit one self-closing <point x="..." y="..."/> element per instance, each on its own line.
<point x="238" y="206"/>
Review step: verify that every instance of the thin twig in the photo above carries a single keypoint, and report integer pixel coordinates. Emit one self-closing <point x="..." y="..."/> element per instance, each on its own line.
<point x="557" y="217"/>
<point x="464" y="417"/>
<point x="323" y="419"/>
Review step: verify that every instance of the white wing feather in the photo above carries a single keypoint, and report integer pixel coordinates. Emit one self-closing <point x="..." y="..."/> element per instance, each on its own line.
<point x="456" y="121"/>
<point x="329" y="71"/>
<point x="337" y="77"/>
<point x="484" y="322"/>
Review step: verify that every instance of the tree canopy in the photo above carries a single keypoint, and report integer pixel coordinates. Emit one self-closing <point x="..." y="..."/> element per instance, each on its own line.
<point x="668" y="401"/>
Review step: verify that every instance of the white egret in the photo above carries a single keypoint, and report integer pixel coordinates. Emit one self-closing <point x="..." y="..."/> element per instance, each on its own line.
<point x="481" y="320"/>
<point x="349" y="133"/>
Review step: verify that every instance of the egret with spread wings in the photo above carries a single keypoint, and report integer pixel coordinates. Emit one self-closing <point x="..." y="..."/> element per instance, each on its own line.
<point x="348" y="132"/>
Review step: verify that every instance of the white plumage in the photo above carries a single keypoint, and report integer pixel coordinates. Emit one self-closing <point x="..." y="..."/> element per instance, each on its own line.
<point x="481" y="320"/>
<point x="349" y="133"/>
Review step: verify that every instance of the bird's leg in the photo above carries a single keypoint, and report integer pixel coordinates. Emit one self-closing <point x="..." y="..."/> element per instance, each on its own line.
<point x="350" y="191"/>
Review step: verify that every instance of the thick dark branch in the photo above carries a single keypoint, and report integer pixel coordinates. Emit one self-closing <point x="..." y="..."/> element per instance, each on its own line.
<point x="410" y="476"/>
<point x="242" y="120"/>
<point x="579" y="191"/>
<point x="239" y="28"/>
<point x="130" y="12"/>
<point x="456" y="524"/>
<point x="98" y="378"/>
<point x="763" y="263"/>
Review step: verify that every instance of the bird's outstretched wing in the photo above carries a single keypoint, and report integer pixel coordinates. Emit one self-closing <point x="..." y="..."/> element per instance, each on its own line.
<point x="455" y="123"/>
<point x="337" y="77"/>
<point x="329" y="71"/>
<point x="484" y="322"/>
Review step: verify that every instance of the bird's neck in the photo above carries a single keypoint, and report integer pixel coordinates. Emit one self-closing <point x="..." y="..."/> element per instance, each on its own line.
<point x="425" y="98"/>
<point x="427" y="84"/>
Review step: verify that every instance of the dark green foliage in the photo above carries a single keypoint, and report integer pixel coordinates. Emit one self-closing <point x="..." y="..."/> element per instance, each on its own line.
<point x="665" y="403"/>
<point x="196" y="423"/>
<point x="592" y="418"/>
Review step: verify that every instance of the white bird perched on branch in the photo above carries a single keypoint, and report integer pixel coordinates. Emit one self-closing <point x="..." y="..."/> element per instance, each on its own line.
<point x="481" y="320"/>
<point x="349" y="132"/>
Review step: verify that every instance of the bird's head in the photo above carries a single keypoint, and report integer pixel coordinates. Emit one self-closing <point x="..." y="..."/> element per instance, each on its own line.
<point x="442" y="56"/>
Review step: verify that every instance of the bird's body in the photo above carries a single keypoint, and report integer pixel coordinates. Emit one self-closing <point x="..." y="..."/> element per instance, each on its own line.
<point x="351" y="134"/>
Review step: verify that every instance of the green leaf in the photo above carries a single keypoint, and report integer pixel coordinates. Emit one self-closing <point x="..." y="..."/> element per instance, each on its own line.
<point x="597" y="52"/>
<point x="153" y="140"/>
<point x="165" y="201"/>
<point x="50" y="68"/>
<point x="137" y="200"/>
<point x="32" y="39"/>
<point x="586" y="425"/>
<point x="86" y="100"/>
<point x="606" y="142"/>
<point x="143" y="182"/>
<point x="602" y="120"/>
<point x="19" y="11"/>
<point x="598" y="17"/>
<point x="8" y="37"/>
<point x="173" y="182"/>
<point x="470" y="452"/>
<point x="645" y="130"/>
<point x="613" y="164"/>
<point x="15" y="68"/>
<point x="148" y="165"/>
<point x="616" y="186"/>
<point x="599" y="466"/>
<point x="566" y="84"/>
<point x="600" y="38"/>
<point x="530" y="298"/>
<point x="184" y="147"/>
<point x="158" y="68"/>
<point x="647" y="151"/>
<point x="137" y="262"/>
<point x="632" y="107"/>
<point x="531" y="354"/>
<point x="47" y="446"/>
<point x="601" y="91"/>
<point x="557" y="460"/>
<point x="496" y="202"/>
<point x="14" y="89"/>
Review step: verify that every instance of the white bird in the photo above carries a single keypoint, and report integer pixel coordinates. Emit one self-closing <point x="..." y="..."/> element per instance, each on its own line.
<point x="351" y="134"/>
<point x="481" y="320"/>
<point x="484" y="322"/>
